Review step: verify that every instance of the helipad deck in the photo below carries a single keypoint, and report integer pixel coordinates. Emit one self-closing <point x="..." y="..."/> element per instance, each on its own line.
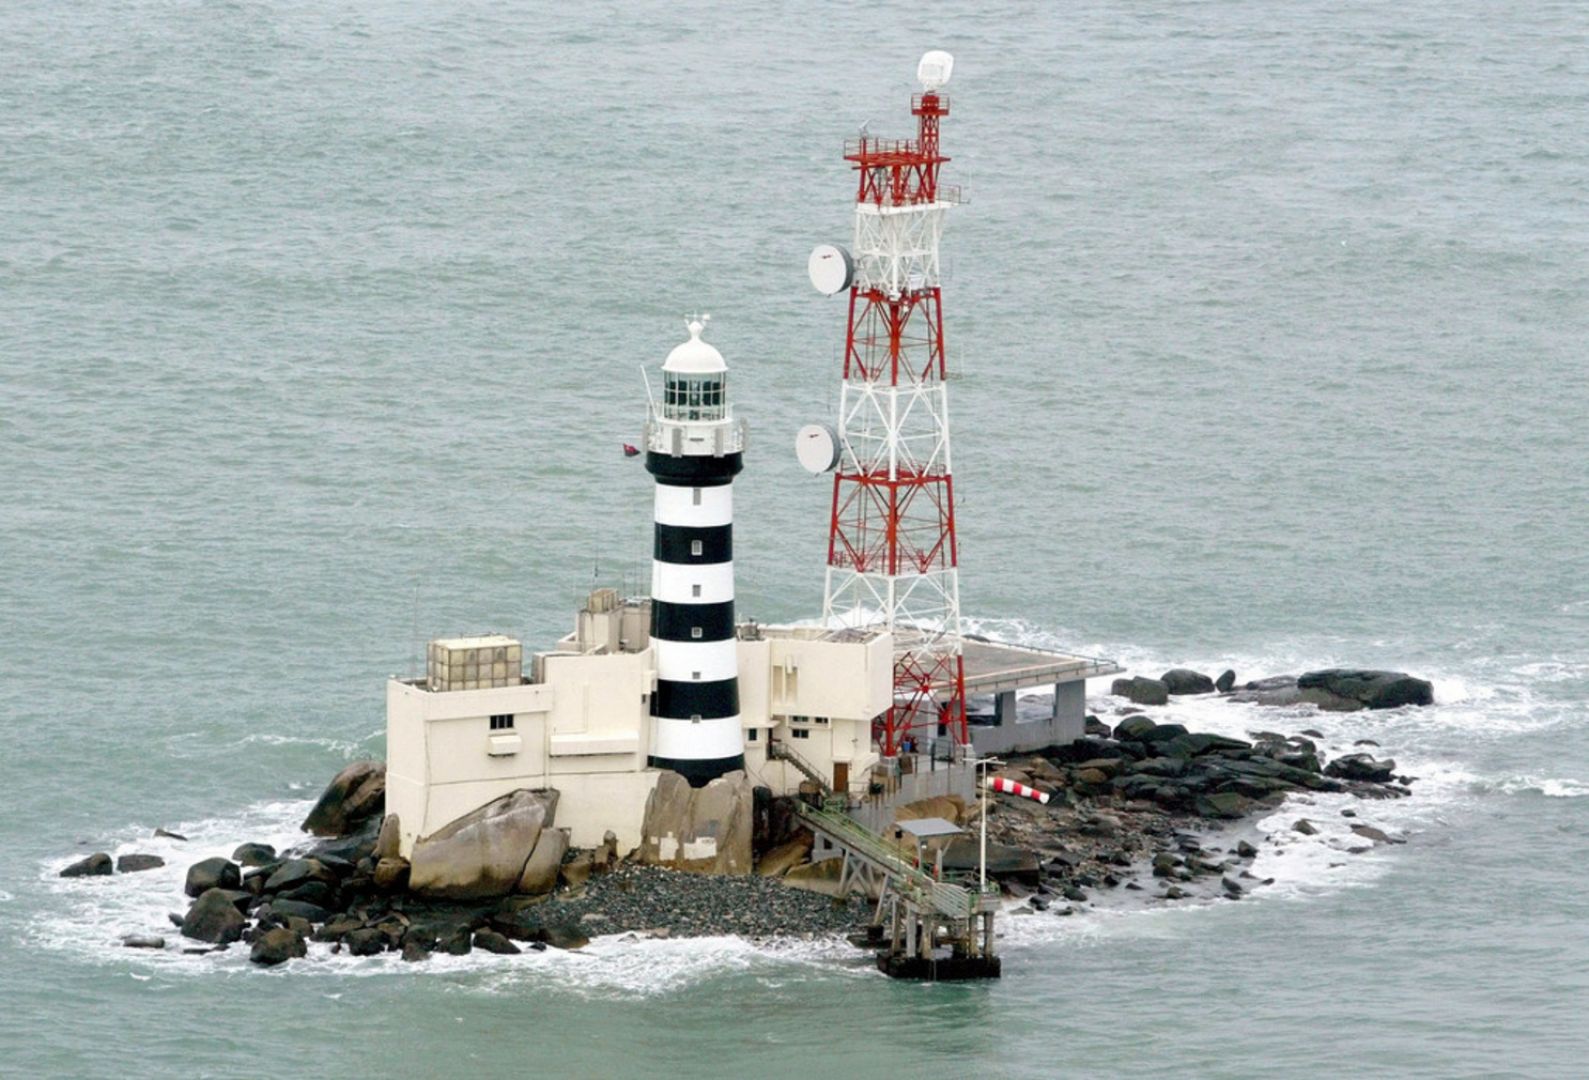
<point x="994" y="667"/>
<point x="1000" y="669"/>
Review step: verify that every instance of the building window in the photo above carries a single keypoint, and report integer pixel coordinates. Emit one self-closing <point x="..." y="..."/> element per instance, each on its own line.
<point x="695" y="632"/>
<point x="503" y="722"/>
<point x="696" y="548"/>
<point x="750" y="735"/>
<point x="801" y="733"/>
<point x="695" y="718"/>
<point x="696" y="675"/>
<point x="695" y="496"/>
<point x="695" y="590"/>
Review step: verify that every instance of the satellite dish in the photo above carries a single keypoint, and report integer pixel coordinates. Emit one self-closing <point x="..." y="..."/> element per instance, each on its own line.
<point x="830" y="268"/>
<point x="934" y="70"/>
<point x="817" y="447"/>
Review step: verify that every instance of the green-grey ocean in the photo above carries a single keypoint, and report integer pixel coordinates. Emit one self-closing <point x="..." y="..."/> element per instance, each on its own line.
<point x="320" y="332"/>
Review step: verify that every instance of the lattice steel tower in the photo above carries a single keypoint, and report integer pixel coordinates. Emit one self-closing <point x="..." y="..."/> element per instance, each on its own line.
<point x="892" y="556"/>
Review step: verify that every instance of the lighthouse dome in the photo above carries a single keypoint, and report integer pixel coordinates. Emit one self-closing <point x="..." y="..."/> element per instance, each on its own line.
<point x="695" y="357"/>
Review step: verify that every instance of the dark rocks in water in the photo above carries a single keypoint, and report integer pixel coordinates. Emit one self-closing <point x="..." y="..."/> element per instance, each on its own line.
<point x="1225" y="682"/>
<point x="1084" y="750"/>
<point x="1366" y="742"/>
<point x="144" y="941"/>
<point x="1186" y="681"/>
<point x="564" y="935"/>
<point x="277" y="947"/>
<point x="1095" y="726"/>
<point x="366" y="941"/>
<point x="1312" y="733"/>
<point x="1071" y="892"/>
<point x="1345" y="689"/>
<point x="1246" y="850"/>
<point x="216" y="873"/>
<point x="1305" y="827"/>
<point x="493" y="942"/>
<point x="299" y="909"/>
<point x="1348" y="812"/>
<point x="1361" y="767"/>
<point x="1003" y="861"/>
<point x="1224" y="804"/>
<point x="354" y="796"/>
<point x="1188" y="744"/>
<point x="1232" y="888"/>
<point x="338" y="926"/>
<point x="132" y="864"/>
<point x="391" y="875"/>
<point x="1276" y="690"/>
<point x="1144" y="691"/>
<point x="457" y="941"/>
<point x="1368" y="832"/>
<point x="415" y="951"/>
<point x="1133" y="728"/>
<point x="214" y="918"/>
<point x="1163" y="733"/>
<point x="164" y="834"/>
<point x="252" y="854"/>
<point x="317" y="893"/>
<point x="295" y="872"/>
<point x="96" y="865"/>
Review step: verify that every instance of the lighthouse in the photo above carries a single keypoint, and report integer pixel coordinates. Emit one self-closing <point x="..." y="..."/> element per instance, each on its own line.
<point x="694" y="449"/>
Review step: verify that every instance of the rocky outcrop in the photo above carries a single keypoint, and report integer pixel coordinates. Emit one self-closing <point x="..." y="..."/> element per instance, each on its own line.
<point x="96" y="865"/>
<point x="143" y="941"/>
<point x="277" y="946"/>
<point x="540" y="871"/>
<point x="483" y="853"/>
<point x="1345" y="690"/>
<point x="388" y="841"/>
<point x="354" y="796"/>
<point x="1225" y="682"/>
<point x="1187" y="681"/>
<point x="704" y="830"/>
<point x="252" y="854"/>
<point x="216" y="873"/>
<point x="214" y="918"/>
<point x="1141" y="691"/>
<point x="1362" y="767"/>
<point x="781" y="858"/>
<point x="134" y="863"/>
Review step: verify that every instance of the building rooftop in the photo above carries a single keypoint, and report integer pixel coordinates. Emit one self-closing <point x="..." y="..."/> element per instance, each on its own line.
<point x="995" y="666"/>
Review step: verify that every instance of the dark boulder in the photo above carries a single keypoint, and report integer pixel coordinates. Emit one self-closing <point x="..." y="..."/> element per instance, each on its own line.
<point x="132" y="864"/>
<point x="300" y="909"/>
<point x="1232" y="888"/>
<point x="296" y="872"/>
<point x="1131" y="729"/>
<point x="1368" y="832"/>
<point x="214" y="918"/>
<point x="455" y="941"/>
<point x="338" y="926"/>
<point x="1305" y="827"/>
<point x="144" y="941"/>
<point x="1344" y="689"/>
<point x="1224" y="804"/>
<point x="1189" y="744"/>
<point x="277" y="947"/>
<point x="1087" y="749"/>
<point x="364" y="942"/>
<point x="1163" y="733"/>
<point x="1095" y="726"/>
<point x="493" y="942"/>
<point x="1187" y="681"/>
<point x="1277" y="690"/>
<point x="355" y="796"/>
<point x="1246" y="850"/>
<point x="1144" y="691"/>
<point x="96" y="865"/>
<point x="1361" y="767"/>
<point x="254" y="854"/>
<point x="415" y="951"/>
<point x="317" y="893"/>
<point x="1225" y="682"/>
<point x="565" y="935"/>
<point x="216" y="873"/>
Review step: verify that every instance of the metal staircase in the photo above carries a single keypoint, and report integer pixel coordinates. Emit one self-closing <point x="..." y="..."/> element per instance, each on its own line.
<point x="779" y="750"/>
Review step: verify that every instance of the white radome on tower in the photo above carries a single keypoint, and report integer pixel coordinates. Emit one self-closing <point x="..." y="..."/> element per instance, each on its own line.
<point x="934" y="70"/>
<point x="830" y="268"/>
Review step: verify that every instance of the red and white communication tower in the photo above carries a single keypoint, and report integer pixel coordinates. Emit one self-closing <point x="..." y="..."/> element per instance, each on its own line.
<point x="892" y="559"/>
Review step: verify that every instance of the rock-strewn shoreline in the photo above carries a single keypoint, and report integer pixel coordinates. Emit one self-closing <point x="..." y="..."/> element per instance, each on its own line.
<point x="1135" y="806"/>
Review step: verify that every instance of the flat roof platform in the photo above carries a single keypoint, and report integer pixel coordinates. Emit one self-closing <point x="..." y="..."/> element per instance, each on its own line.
<point x="993" y="667"/>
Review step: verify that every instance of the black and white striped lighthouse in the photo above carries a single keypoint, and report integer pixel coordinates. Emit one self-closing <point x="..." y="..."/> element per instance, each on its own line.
<point x="694" y="448"/>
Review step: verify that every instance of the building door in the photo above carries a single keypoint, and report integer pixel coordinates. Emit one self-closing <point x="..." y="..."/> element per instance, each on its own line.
<point x="841" y="776"/>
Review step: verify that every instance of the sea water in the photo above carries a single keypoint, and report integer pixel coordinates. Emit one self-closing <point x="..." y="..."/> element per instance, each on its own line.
<point x="320" y="328"/>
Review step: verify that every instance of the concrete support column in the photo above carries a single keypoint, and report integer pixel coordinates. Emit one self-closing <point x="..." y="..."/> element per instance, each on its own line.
<point x="1057" y="699"/>
<point x="1004" y="708"/>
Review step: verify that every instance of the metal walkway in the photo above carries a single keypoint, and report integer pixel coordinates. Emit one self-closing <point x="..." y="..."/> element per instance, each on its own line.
<point x="883" y="862"/>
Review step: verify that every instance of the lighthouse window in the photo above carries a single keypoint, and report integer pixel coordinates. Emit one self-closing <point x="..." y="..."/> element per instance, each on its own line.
<point x="696" y="548"/>
<point x="695" y="496"/>
<point x="695" y="631"/>
<point x="695" y="590"/>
